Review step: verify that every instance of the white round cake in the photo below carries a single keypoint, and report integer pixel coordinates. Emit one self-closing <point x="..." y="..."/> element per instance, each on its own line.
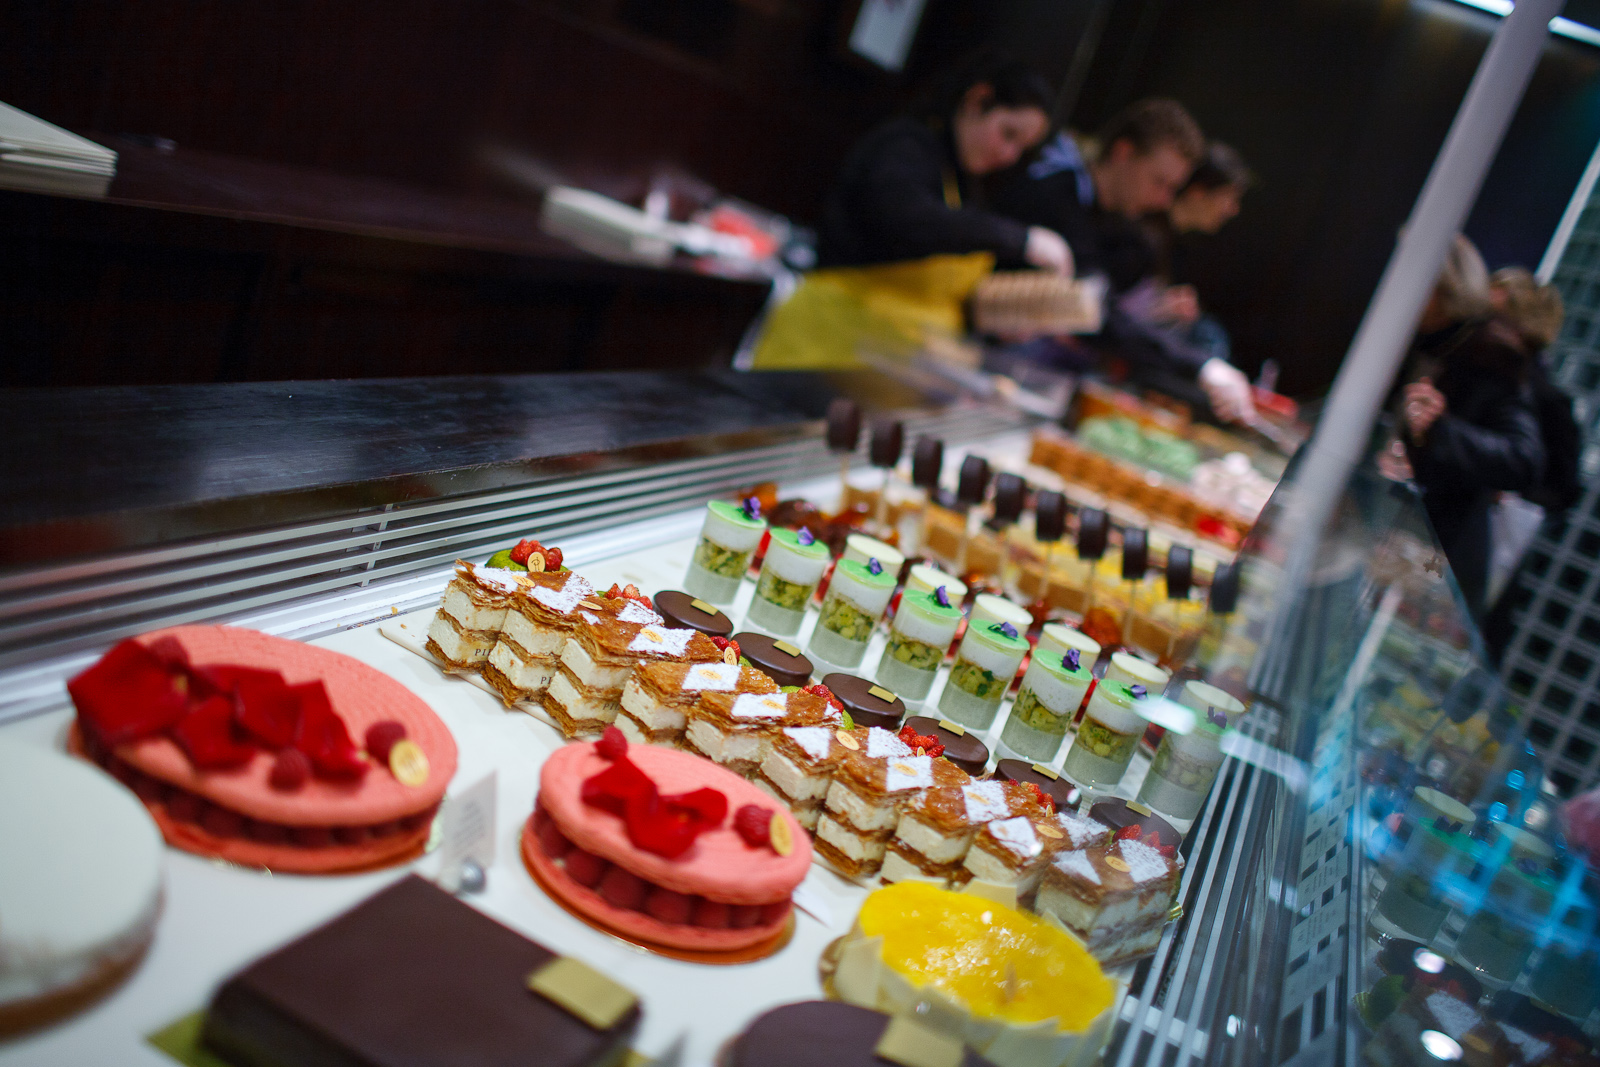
<point x="80" y="887"/>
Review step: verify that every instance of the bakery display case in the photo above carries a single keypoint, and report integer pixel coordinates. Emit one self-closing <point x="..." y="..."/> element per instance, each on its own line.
<point x="1273" y="810"/>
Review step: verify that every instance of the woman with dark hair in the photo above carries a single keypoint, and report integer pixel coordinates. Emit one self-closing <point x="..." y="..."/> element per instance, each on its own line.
<point x="904" y="235"/>
<point x="1467" y="420"/>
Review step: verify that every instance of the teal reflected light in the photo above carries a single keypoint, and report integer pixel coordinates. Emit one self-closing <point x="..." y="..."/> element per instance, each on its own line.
<point x="1559" y="25"/>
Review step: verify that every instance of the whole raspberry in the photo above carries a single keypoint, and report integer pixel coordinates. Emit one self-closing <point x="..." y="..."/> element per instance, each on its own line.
<point x="585" y="868"/>
<point x="523" y="549"/>
<point x="613" y="744"/>
<point x="289" y="771"/>
<point x="552" y="559"/>
<point x="381" y="737"/>
<point x="753" y="823"/>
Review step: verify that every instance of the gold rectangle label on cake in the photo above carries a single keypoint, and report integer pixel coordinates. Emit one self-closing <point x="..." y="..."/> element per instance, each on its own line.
<point x="1138" y="808"/>
<point x="1046" y="771"/>
<point x="582" y="991"/>
<point x="954" y="727"/>
<point x="910" y="1044"/>
<point x="701" y="605"/>
<point x="882" y="694"/>
<point x="786" y="648"/>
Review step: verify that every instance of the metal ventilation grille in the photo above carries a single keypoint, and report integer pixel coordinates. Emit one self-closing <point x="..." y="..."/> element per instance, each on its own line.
<point x="52" y="611"/>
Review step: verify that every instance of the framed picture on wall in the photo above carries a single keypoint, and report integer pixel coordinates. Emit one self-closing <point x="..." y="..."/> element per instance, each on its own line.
<point x="884" y="29"/>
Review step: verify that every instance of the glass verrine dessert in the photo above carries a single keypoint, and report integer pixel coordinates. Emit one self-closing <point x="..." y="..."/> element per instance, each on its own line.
<point x="1110" y="731"/>
<point x="986" y="662"/>
<point x="918" y="639"/>
<point x="1185" y="766"/>
<point x="856" y="598"/>
<point x="730" y="535"/>
<point x="1046" y="704"/>
<point x="789" y="576"/>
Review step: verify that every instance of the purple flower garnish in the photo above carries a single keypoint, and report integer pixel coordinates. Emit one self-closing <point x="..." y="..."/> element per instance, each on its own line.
<point x="1138" y="691"/>
<point x="1217" y="718"/>
<point x="752" y="508"/>
<point x="942" y="597"/>
<point x="1071" y="660"/>
<point x="805" y="537"/>
<point x="1004" y="628"/>
<point x="873" y="566"/>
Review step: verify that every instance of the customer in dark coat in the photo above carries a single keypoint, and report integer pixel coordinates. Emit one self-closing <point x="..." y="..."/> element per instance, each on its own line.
<point x="1467" y="419"/>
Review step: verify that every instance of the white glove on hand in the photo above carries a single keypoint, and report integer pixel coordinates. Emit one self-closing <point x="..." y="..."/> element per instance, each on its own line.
<point x="1046" y="249"/>
<point x="1228" y="390"/>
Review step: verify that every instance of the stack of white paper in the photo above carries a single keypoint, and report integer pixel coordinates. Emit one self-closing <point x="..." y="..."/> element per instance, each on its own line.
<point x="41" y="158"/>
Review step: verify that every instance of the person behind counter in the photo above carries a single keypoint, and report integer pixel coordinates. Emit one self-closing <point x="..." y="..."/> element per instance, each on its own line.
<point x="1096" y="194"/>
<point x="904" y="234"/>
<point x="1467" y="417"/>
<point x="1211" y="199"/>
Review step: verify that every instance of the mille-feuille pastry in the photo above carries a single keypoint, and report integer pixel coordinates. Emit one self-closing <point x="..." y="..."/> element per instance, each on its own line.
<point x="597" y="659"/>
<point x="799" y="764"/>
<point x="657" y="698"/>
<point x="862" y="805"/>
<point x="937" y="827"/>
<point x="539" y="617"/>
<point x="1004" y="850"/>
<point x="736" y="729"/>
<point x="467" y="625"/>
<point x="1116" y="900"/>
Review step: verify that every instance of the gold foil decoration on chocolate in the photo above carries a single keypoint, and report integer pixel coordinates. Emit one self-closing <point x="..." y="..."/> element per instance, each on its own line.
<point x="882" y="694"/>
<point x="786" y="648"/>
<point x="1046" y="771"/>
<point x="702" y="607"/>
<point x="582" y="992"/>
<point x="1138" y="808"/>
<point x="954" y="727"/>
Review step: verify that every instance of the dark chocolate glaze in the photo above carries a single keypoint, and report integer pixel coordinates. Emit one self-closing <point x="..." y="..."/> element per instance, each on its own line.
<point x="887" y="442"/>
<point x="844" y="424"/>
<point x="1135" y="553"/>
<point x="1049" y="515"/>
<point x="964" y="750"/>
<point x="410" y="976"/>
<point x="864" y="708"/>
<point x="1225" y="589"/>
<point x="764" y="655"/>
<point x="817" y="1033"/>
<point x="678" y="610"/>
<point x="927" y="462"/>
<point x="1115" y="813"/>
<point x="973" y="484"/>
<point x="1010" y="493"/>
<point x="1093" y="531"/>
<point x="1180" y="572"/>
<point x="1063" y="792"/>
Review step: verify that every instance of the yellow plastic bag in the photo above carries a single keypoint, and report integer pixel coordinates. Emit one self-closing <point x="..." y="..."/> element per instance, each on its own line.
<point x="838" y="314"/>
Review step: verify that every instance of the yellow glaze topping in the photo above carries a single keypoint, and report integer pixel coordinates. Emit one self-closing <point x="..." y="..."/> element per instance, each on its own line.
<point x="1000" y="963"/>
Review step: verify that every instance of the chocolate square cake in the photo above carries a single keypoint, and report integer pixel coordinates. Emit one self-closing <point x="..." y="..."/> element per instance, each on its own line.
<point x="409" y="977"/>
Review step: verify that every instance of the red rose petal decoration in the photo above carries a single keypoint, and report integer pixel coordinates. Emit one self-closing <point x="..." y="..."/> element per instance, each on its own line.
<point x="322" y="736"/>
<point x="267" y="708"/>
<point x="170" y="651"/>
<point x="207" y="735"/>
<point x="613" y="744"/>
<point x="664" y="825"/>
<point x="129" y="694"/>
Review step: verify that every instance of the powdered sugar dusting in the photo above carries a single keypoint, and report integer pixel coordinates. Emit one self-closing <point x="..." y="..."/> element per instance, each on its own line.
<point x="1017" y="835"/>
<point x="660" y="641"/>
<point x="1455" y="1017"/>
<point x="715" y="676"/>
<point x="1532" y="1048"/>
<point x="1080" y="829"/>
<point x="563" y="600"/>
<point x="494" y="578"/>
<point x="986" y="801"/>
<point x="1144" y="862"/>
<point x="1077" y="865"/>
<point x="881" y="744"/>
<point x="908" y="772"/>
<point x="635" y="612"/>
<point x="814" y="741"/>
<point x="761" y="706"/>
<point x="589" y="617"/>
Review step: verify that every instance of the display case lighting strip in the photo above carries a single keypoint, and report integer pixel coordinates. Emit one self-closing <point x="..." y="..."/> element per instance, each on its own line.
<point x="1562" y="25"/>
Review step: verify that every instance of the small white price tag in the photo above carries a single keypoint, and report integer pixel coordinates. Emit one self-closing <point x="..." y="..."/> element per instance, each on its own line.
<point x="467" y="831"/>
